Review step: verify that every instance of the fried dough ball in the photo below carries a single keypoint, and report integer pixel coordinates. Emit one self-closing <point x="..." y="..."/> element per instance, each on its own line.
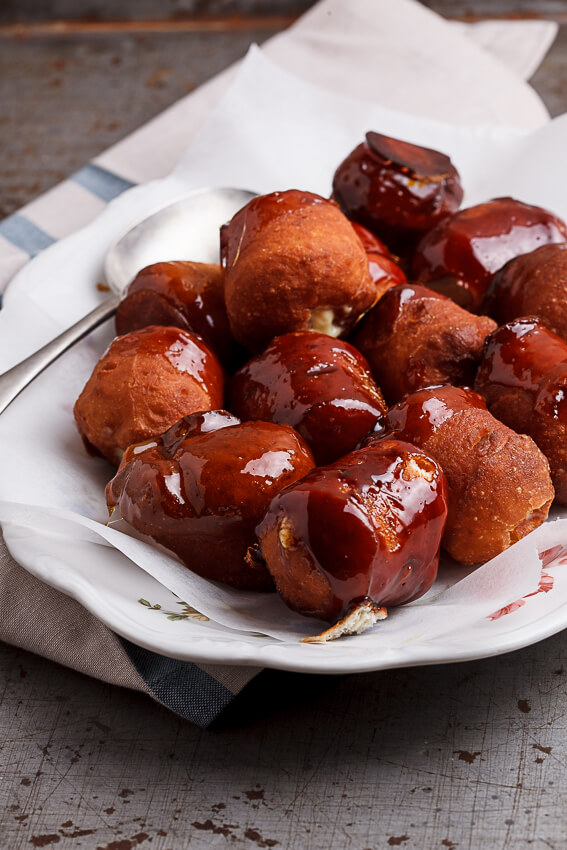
<point x="523" y="377"/>
<point x="499" y="483"/>
<point x="368" y="526"/>
<point x="184" y="295"/>
<point x="293" y="263"/>
<point x="143" y="383"/>
<point x="534" y="284"/>
<point x="414" y="338"/>
<point x="319" y="385"/>
<point x="396" y="189"/>
<point x="202" y="487"/>
<point x="460" y="256"/>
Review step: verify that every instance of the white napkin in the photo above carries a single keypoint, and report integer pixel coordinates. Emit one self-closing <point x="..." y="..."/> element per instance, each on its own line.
<point x="397" y="54"/>
<point x="520" y="45"/>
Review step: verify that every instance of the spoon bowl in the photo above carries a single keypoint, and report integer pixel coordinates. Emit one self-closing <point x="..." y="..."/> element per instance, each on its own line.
<point x="187" y="229"/>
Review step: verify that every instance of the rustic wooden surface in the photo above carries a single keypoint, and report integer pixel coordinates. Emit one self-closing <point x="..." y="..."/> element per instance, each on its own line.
<point x="67" y="97"/>
<point x="459" y="756"/>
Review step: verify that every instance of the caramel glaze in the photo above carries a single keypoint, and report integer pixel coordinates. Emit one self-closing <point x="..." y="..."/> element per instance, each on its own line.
<point x="523" y="376"/>
<point x="370" y="241"/>
<point x="319" y="385"/>
<point x="533" y="284"/>
<point x="421" y="414"/>
<point x="202" y="487"/>
<point x="367" y="526"/>
<point x="186" y="295"/>
<point x="384" y="268"/>
<point x="461" y="254"/>
<point x="415" y="337"/>
<point x="481" y="457"/>
<point x="396" y="189"/>
<point x="143" y="383"/>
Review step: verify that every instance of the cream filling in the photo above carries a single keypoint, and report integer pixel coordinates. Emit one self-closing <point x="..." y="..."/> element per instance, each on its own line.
<point x="322" y="320"/>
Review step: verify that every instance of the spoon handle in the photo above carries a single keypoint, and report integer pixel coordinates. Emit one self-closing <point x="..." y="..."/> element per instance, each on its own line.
<point x="16" y="379"/>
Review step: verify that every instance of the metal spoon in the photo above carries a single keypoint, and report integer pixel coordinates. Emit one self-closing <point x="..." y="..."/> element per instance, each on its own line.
<point x="187" y="229"/>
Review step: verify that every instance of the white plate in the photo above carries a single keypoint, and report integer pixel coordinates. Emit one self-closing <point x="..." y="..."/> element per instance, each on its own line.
<point x="43" y="462"/>
<point x="139" y="608"/>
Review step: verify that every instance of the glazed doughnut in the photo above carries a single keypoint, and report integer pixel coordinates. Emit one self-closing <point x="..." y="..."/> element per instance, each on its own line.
<point x="293" y="263"/>
<point x="533" y="284"/>
<point x="414" y="338"/>
<point x="144" y="382"/>
<point x="396" y="189"/>
<point x="368" y="526"/>
<point x="202" y="487"/>
<point x="182" y="294"/>
<point x="319" y="385"/>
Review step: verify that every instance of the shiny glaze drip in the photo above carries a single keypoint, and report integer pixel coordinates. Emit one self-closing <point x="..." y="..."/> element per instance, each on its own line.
<point x="319" y="385"/>
<point x="370" y="524"/>
<point x="183" y="294"/>
<point x="460" y="255"/>
<point x="383" y="271"/>
<point x="194" y="425"/>
<point x="521" y="354"/>
<point x="258" y="213"/>
<point x="182" y="349"/>
<point x="420" y="414"/>
<point x="524" y="355"/>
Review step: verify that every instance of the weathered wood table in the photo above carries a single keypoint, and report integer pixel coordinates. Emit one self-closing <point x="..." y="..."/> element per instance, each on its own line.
<point x="464" y="755"/>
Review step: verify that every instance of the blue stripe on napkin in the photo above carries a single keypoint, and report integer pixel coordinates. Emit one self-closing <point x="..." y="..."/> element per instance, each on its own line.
<point x="102" y="183"/>
<point x="24" y="234"/>
<point x="179" y="685"/>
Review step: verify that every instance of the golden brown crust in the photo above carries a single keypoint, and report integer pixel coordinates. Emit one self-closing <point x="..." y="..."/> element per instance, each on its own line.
<point x="299" y="581"/>
<point x="144" y="382"/>
<point x="499" y="485"/>
<point x="415" y="338"/>
<point x="301" y="268"/>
